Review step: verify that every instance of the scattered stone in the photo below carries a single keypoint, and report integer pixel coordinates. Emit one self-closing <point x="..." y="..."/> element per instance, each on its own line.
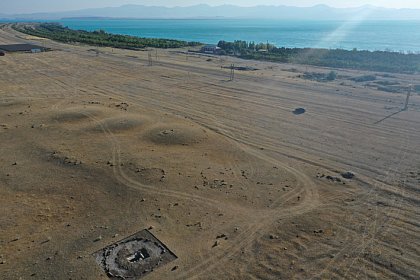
<point x="333" y="178"/>
<point x="99" y="238"/>
<point x="299" y="111"/>
<point x="272" y="236"/>
<point x="348" y="175"/>
<point x="46" y="240"/>
<point x="381" y="203"/>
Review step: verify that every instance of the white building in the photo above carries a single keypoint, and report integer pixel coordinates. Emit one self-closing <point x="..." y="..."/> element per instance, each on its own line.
<point x="211" y="49"/>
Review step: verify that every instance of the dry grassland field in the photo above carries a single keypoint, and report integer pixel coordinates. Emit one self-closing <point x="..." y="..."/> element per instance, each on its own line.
<point x="96" y="145"/>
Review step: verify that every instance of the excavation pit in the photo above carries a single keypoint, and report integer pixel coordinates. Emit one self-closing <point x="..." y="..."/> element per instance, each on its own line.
<point x="133" y="257"/>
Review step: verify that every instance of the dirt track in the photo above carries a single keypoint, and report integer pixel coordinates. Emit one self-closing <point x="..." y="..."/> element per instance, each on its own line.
<point x="104" y="145"/>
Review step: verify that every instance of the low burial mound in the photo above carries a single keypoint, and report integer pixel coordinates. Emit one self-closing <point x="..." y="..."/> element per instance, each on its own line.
<point x="176" y="134"/>
<point x="120" y="124"/>
<point x="76" y="114"/>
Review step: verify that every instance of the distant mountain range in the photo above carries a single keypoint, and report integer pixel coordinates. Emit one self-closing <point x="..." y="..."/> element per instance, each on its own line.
<point x="319" y="12"/>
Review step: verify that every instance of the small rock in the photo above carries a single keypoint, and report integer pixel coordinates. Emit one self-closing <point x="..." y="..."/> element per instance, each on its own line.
<point x="99" y="238"/>
<point x="46" y="240"/>
<point x="174" y="268"/>
<point x="348" y="175"/>
<point x="299" y="111"/>
<point x="272" y="236"/>
<point x="151" y="227"/>
<point x="217" y="243"/>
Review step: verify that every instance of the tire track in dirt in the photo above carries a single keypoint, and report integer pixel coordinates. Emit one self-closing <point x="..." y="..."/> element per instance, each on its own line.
<point x="350" y="248"/>
<point x="246" y="236"/>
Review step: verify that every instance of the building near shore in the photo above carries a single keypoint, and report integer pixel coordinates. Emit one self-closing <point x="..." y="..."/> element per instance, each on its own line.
<point x="211" y="49"/>
<point x="22" y="48"/>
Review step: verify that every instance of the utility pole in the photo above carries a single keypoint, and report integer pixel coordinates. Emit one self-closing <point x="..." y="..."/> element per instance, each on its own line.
<point x="408" y="98"/>
<point x="150" y="58"/>
<point x="232" y="72"/>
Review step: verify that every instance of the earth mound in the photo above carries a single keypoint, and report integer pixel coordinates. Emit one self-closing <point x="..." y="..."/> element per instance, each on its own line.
<point x="120" y="124"/>
<point x="176" y="135"/>
<point x="76" y="114"/>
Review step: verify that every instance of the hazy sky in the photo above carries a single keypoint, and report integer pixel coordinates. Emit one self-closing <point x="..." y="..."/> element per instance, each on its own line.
<point x="31" y="6"/>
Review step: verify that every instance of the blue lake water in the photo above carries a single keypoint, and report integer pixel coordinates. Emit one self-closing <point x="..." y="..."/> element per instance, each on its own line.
<point x="364" y="35"/>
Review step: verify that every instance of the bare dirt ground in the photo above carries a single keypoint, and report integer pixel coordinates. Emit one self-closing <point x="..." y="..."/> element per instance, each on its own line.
<point x="95" y="147"/>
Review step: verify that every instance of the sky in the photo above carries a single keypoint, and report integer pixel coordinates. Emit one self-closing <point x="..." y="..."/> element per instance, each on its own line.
<point x="34" y="6"/>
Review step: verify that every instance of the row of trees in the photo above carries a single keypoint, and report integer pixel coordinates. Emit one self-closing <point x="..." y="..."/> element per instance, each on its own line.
<point x="59" y="33"/>
<point x="244" y="46"/>
<point x="384" y="61"/>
